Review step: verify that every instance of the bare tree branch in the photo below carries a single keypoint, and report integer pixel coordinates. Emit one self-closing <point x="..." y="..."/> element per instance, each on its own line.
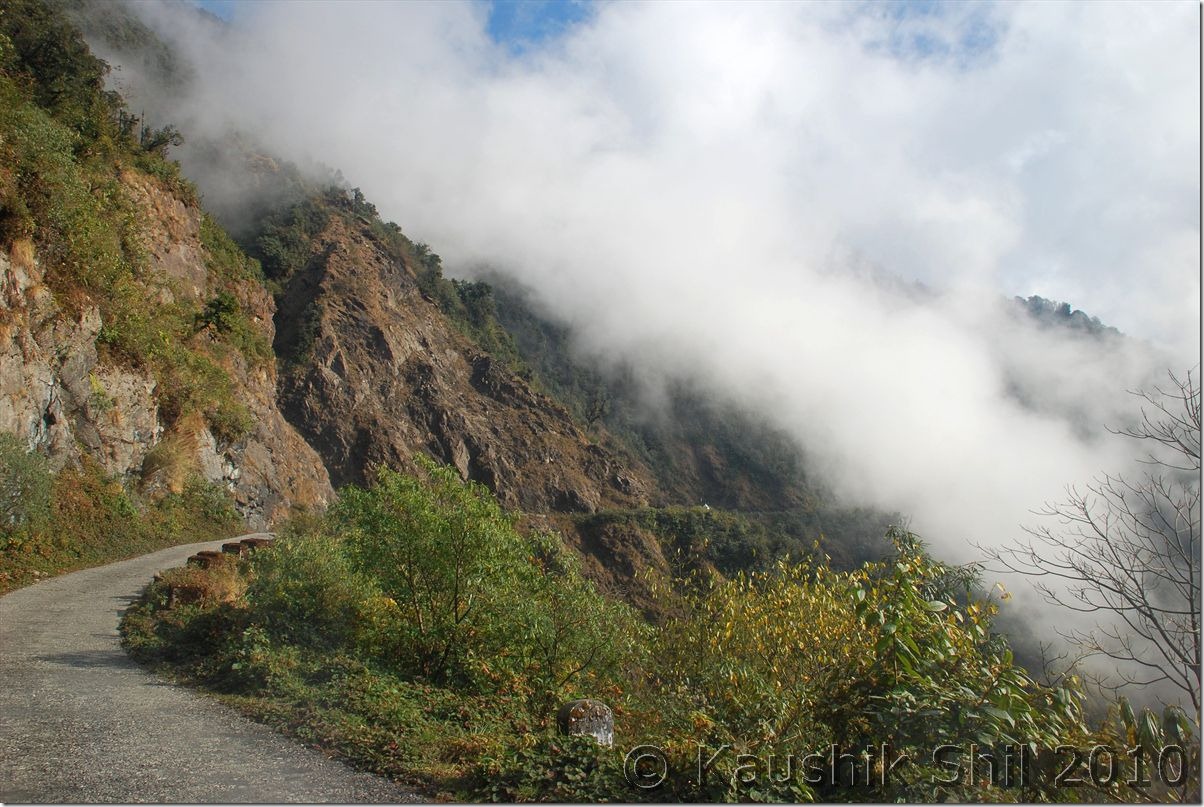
<point x="1129" y="551"/>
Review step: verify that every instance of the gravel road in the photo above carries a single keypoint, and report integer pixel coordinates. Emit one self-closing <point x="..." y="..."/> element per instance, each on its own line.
<point x="81" y="722"/>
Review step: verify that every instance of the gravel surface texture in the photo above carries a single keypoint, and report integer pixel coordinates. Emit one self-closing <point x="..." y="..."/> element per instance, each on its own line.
<point x="81" y="722"/>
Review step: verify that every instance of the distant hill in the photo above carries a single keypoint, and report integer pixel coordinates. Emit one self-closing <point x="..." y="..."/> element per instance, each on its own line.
<point x="1050" y="314"/>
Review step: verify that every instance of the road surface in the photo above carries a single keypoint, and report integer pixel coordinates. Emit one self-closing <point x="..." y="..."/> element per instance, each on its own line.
<point x="81" y="722"/>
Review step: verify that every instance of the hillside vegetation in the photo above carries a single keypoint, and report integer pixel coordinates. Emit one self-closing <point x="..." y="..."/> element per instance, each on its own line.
<point x="80" y="517"/>
<point x="414" y="631"/>
<point x="66" y="144"/>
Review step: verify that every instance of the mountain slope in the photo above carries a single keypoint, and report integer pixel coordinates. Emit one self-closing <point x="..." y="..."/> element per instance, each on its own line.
<point x="375" y="357"/>
<point x="376" y="372"/>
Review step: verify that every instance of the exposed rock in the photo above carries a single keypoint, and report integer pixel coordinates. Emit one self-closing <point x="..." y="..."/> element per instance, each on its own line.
<point x="387" y="376"/>
<point x="58" y="396"/>
<point x="273" y="469"/>
<point x="54" y="394"/>
<point x="172" y="235"/>
<point x="121" y="408"/>
<point x="613" y="554"/>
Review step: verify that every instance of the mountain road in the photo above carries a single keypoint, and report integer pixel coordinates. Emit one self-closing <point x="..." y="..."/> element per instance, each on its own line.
<point x="81" y="722"/>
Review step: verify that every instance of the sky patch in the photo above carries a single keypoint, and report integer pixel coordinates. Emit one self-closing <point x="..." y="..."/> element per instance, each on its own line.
<point x="521" y="25"/>
<point x="223" y="9"/>
<point x="963" y="35"/>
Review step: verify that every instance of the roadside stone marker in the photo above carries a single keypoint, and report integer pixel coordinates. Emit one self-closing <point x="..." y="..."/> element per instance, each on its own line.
<point x="590" y="717"/>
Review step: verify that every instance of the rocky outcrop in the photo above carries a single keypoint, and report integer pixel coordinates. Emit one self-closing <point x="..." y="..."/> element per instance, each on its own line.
<point x="55" y="395"/>
<point x="272" y="469"/>
<point x="61" y="396"/>
<point x="379" y="374"/>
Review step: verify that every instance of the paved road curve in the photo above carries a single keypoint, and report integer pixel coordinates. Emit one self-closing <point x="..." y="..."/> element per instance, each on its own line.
<point x="81" y="722"/>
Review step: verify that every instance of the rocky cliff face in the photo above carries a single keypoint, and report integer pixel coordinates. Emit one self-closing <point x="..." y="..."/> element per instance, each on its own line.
<point x="273" y="468"/>
<point x="379" y="374"/>
<point x="375" y="374"/>
<point x="61" y="395"/>
<point x="54" y="393"/>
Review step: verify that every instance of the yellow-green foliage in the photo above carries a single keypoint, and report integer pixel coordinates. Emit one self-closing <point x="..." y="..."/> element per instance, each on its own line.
<point x="422" y="582"/>
<point x="52" y="198"/>
<point x="220" y="583"/>
<point x="799" y="658"/>
<point x="428" y="576"/>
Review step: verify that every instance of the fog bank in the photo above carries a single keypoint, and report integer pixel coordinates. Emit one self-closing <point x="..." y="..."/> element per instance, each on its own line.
<point x="715" y="191"/>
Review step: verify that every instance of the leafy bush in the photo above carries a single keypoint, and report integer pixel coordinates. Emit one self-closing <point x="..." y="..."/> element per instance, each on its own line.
<point x="427" y="576"/>
<point x="221" y="312"/>
<point x="577" y="643"/>
<point x="224" y="259"/>
<point x="56" y="200"/>
<point x="283" y="245"/>
<point x="802" y="657"/>
<point x="305" y="591"/>
<point x="447" y="556"/>
<point x="202" y="511"/>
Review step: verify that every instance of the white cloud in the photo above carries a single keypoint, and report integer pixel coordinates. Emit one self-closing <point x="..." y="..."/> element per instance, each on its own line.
<point x="698" y="187"/>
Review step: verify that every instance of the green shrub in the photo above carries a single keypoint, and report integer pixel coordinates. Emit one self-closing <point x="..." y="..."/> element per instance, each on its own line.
<point x="222" y="312"/>
<point x="305" y="591"/>
<point x="82" y="517"/>
<point x="445" y="553"/>
<point x="577" y="642"/>
<point x="224" y="259"/>
<point x="253" y="662"/>
<point x="465" y="598"/>
<point x="414" y="622"/>
<point x="63" y="76"/>
<point x="283" y="245"/>
<point x="25" y="487"/>
<point x="202" y="511"/>
<point x="801" y="657"/>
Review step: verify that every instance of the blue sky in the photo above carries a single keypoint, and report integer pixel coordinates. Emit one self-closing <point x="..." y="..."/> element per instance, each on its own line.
<point x="517" y="24"/>
<point x="222" y="8"/>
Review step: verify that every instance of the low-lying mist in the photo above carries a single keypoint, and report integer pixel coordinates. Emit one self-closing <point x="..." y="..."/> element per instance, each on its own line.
<point x="745" y="195"/>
